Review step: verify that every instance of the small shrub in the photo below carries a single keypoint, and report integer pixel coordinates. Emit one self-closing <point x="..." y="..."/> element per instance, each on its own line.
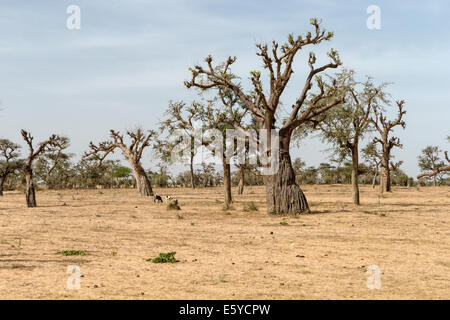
<point x="173" y="205"/>
<point x="72" y="253"/>
<point x="284" y="223"/>
<point x="251" y="206"/>
<point x="168" y="257"/>
<point x="114" y="253"/>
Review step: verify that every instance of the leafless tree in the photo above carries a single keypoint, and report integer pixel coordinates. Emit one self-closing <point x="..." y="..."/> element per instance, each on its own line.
<point x="139" y="140"/>
<point x="384" y="128"/>
<point x="52" y="143"/>
<point x="284" y="196"/>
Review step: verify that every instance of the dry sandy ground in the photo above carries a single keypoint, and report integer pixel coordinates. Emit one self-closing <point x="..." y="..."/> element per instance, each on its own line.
<point x="226" y="254"/>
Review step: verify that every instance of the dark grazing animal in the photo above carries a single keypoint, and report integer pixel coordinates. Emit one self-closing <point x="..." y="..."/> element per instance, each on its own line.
<point x="157" y="198"/>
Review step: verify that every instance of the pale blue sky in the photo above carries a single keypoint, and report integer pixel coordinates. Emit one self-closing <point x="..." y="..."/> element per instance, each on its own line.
<point x="131" y="57"/>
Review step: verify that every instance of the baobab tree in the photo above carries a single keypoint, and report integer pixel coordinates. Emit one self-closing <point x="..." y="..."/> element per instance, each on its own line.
<point x="139" y="140"/>
<point x="345" y="127"/>
<point x="284" y="196"/>
<point x="9" y="160"/>
<point x="51" y="144"/>
<point x="430" y="162"/>
<point x="384" y="128"/>
<point x="179" y="116"/>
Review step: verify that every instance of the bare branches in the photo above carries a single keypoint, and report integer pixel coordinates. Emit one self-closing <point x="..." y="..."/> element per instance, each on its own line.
<point x="139" y="141"/>
<point x="53" y="141"/>
<point x="395" y="166"/>
<point x="383" y="125"/>
<point x="278" y="60"/>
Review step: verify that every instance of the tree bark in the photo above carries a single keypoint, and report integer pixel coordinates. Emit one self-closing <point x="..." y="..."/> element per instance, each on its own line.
<point x="385" y="174"/>
<point x="285" y="196"/>
<point x="227" y="181"/>
<point x="355" y="163"/>
<point x="241" y="180"/>
<point x="1" y="186"/>
<point x="30" y="193"/>
<point x="142" y="181"/>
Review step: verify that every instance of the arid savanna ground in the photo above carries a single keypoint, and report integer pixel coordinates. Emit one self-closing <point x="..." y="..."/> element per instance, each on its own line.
<point x="233" y="254"/>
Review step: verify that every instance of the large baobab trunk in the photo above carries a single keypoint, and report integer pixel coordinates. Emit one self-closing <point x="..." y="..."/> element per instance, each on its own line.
<point x="284" y="196"/>
<point x="385" y="177"/>
<point x="355" y="186"/>
<point x="30" y="193"/>
<point x="227" y="181"/>
<point x="143" y="183"/>
<point x="241" y="180"/>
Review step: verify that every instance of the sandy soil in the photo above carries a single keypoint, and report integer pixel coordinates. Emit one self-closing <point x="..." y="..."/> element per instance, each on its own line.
<point x="226" y="254"/>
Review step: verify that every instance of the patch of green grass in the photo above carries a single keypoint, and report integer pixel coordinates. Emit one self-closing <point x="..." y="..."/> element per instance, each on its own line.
<point x="251" y="206"/>
<point x="284" y="223"/>
<point x="114" y="253"/>
<point x="173" y="205"/>
<point x="168" y="257"/>
<point x="72" y="253"/>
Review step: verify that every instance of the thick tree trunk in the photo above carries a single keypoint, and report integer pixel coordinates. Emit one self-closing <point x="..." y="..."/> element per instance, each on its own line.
<point x="284" y="195"/>
<point x="30" y="193"/>
<point x="355" y="186"/>
<point x="434" y="181"/>
<point x="227" y="181"/>
<point x="142" y="181"/>
<point x="385" y="180"/>
<point x="385" y="176"/>
<point x="241" y="180"/>
<point x="1" y="187"/>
